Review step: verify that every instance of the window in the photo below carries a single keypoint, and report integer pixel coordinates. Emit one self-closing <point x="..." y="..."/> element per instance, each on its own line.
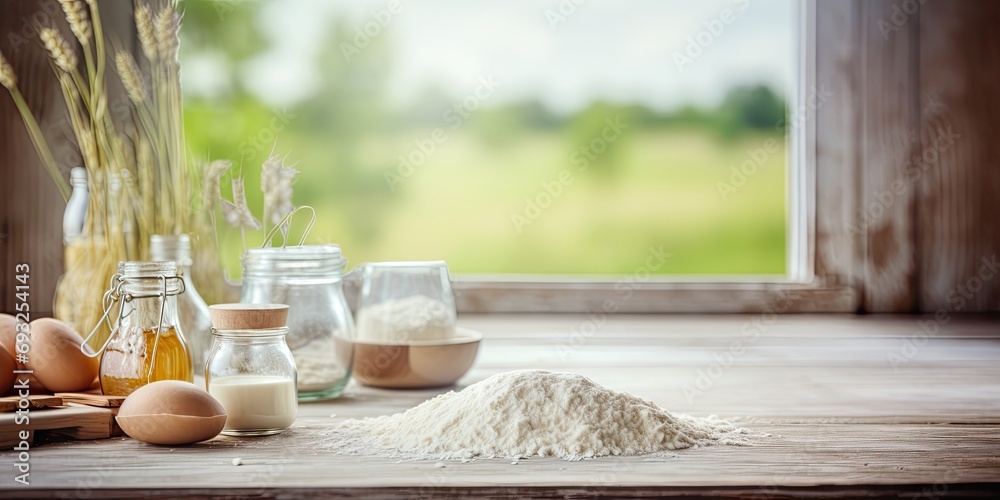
<point x="597" y="149"/>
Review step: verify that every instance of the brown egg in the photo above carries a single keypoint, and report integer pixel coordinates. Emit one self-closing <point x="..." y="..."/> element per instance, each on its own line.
<point x="7" y="367"/>
<point x="171" y="412"/>
<point x="8" y="334"/>
<point x="8" y="331"/>
<point x="8" y="339"/>
<point x="56" y="359"/>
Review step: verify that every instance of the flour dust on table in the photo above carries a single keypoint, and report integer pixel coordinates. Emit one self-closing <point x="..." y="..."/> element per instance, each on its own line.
<point x="531" y="413"/>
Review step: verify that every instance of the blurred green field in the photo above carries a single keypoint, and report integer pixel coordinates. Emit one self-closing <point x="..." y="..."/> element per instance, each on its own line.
<point x="654" y="187"/>
<point x="660" y="190"/>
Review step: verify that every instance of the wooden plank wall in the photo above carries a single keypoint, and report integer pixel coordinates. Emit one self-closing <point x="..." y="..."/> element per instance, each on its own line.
<point x="914" y="81"/>
<point x="31" y="216"/>
<point x="959" y="212"/>
<point x="31" y="207"/>
<point x="888" y="137"/>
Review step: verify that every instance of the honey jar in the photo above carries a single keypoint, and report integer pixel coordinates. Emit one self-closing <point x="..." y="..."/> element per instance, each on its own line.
<point x="146" y="342"/>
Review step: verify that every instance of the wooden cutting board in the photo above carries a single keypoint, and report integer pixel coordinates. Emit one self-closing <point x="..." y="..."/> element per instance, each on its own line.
<point x="10" y="403"/>
<point x="76" y="415"/>
<point x="92" y="398"/>
<point x="74" y="421"/>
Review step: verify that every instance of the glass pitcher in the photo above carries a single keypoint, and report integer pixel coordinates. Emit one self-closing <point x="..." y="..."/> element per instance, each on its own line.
<point x="400" y="302"/>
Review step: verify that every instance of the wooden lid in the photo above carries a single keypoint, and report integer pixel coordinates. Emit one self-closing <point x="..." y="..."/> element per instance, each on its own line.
<point x="248" y="316"/>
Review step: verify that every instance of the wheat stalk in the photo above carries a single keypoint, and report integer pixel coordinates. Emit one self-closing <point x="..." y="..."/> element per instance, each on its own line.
<point x="211" y="191"/>
<point x="145" y="159"/>
<point x="276" y="184"/>
<point x="60" y="51"/>
<point x="211" y="185"/>
<point x="237" y="212"/>
<point x="131" y="77"/>
<point x="79" y="20"/>
<point x="144" y="28"/>
<point x="96" y="68"/>
<point x="7" y="77"/>
<point x="167" y="105"/>
<point x="167" y="23"/>
<point x="88" y="147"/>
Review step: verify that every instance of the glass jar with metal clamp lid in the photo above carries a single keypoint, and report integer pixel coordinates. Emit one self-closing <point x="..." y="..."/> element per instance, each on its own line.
<point x="146" y="342"/>
<point x="308" y="278"/>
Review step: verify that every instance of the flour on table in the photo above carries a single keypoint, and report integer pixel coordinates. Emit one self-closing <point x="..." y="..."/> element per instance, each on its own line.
<point x="416" y="317"/>
<point x="531" y="413"/>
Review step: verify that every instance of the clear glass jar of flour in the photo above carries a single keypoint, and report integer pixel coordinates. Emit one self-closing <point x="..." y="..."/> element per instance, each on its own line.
<point x="309" y="280"/>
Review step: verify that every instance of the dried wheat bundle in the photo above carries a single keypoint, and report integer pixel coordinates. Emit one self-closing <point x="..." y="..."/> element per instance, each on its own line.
<point x="139" y="179"/>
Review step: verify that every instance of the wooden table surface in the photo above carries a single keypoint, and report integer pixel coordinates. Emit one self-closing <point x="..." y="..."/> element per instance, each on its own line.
<point x="854" y="405"/>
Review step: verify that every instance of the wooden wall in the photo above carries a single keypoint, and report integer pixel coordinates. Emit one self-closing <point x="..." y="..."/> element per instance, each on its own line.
<point x="958" y="214"/>
<point x="911" y="141"/>
<point x="31" y="207"/>
<point x="907" y="166"/>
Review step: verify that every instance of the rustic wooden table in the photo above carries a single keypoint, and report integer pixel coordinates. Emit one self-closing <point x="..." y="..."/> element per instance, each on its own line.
<point x="854" y="406"/>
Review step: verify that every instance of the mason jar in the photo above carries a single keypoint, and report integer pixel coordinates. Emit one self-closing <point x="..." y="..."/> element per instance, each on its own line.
<point x="321" y="330"/>
<point x="147" y="342"/>
<point x="251" y="372"/>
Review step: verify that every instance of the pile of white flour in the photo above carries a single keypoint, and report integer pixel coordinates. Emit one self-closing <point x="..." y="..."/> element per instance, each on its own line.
<point x="416" y="317"/>
<point x="529" y="413"/>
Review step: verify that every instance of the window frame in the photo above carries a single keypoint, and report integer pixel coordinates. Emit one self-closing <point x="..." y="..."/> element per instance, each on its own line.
<point x="805" y="288"/>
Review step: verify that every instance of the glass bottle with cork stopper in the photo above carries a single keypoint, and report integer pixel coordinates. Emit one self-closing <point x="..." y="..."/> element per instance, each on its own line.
<point x="192" y="309"/>
<point x="250" y="369"/>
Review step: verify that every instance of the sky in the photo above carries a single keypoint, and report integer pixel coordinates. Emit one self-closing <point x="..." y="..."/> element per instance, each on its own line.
<point x="564" y="54"/>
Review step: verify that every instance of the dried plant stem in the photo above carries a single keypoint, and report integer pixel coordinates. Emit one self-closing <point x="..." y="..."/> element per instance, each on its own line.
<point x="83" y="88"/>
<point x="38" y="139"/>
<point x="180" y="171"/>
<point x="81" y="128"/>
<point x="79" y="22"/>
<point x="145" y="160"/>
<point x="98" y="74"/>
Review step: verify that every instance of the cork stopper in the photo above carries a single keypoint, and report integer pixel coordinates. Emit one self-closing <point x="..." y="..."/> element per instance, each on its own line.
<point x="248" y="316"/>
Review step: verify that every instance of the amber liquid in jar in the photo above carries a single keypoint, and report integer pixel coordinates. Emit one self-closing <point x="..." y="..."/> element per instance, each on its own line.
<point x="125" y="363"/>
